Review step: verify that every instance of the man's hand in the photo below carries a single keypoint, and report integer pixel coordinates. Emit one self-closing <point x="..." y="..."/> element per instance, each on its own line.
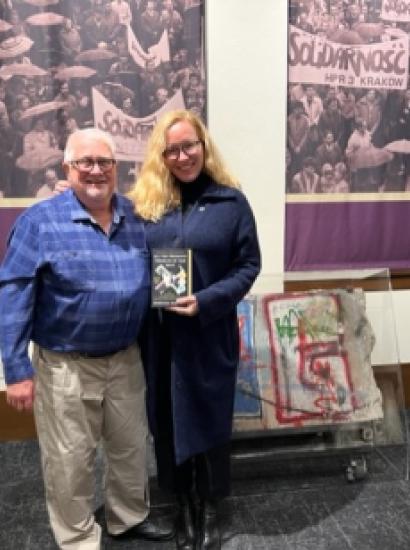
<point x="61" y="186"/>
<point x="21" y="395"/>
<point x="187" y="305"/>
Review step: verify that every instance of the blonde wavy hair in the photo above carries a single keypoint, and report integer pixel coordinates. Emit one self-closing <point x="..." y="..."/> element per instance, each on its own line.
<point x="154" y="193"/>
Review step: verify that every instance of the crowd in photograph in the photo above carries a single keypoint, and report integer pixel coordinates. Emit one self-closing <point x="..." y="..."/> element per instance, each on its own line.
<point x="54" y="52"/>
<point x="343" y="139"/>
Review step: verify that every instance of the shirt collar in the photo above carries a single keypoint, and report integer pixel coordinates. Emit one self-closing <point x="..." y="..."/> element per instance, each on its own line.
<point x="79" y="212"/>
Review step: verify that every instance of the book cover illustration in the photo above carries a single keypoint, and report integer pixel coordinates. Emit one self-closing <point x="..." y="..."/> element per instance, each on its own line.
<point x="171" y="275"/>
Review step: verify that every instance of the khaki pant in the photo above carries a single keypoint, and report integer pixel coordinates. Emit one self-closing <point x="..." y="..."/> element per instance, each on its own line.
<point x="80" y="401"/>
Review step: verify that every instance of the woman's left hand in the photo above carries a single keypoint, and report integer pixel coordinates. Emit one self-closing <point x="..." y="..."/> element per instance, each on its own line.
<point x="188" y="305"/>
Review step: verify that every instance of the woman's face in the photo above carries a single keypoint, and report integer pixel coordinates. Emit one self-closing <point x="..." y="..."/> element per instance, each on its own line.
<point x="184" y="153"/>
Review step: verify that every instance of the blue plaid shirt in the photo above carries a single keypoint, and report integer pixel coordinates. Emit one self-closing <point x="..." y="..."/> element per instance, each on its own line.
<point x="68" y="286"/>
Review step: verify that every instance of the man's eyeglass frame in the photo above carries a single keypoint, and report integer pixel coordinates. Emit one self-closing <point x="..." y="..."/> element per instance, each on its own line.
<point x="87" y="164"/>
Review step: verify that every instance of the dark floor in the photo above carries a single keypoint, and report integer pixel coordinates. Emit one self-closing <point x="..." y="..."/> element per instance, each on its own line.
<point x="296" y="503"/>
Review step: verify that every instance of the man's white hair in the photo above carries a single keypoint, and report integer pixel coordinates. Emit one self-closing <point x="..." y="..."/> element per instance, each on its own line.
<point x="87" y="134"/>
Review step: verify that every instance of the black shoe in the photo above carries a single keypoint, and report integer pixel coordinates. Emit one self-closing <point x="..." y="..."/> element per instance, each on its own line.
<point x="209" y="534"/>
<point x="185" y="524"/>
<point x="148" y="530"/>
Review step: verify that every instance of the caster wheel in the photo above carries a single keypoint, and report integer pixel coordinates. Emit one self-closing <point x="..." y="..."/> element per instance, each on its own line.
<point x="357" y="469"/>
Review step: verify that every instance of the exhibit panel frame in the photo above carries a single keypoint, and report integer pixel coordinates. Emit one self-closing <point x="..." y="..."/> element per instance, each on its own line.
<point x="314" y="375"/>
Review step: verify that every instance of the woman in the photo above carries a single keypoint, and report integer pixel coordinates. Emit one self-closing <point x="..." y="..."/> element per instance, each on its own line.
<point x="189" y="200"/>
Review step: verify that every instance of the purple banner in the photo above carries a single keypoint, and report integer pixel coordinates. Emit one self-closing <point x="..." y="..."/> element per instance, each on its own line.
<point x="348" y="136"/>
<point x="343" y="235"/>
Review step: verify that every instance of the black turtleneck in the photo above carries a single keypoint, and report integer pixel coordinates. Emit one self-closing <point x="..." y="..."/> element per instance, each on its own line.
<point x="192" y="191"/>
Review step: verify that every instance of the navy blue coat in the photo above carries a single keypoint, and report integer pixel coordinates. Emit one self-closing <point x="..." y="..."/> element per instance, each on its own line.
<point x="204" y="352"/>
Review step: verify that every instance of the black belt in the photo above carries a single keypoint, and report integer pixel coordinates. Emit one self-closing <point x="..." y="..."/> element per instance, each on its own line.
<point x="97" y="355"/>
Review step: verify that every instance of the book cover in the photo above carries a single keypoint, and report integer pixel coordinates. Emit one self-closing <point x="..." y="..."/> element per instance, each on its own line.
<point x="171" y="275"/>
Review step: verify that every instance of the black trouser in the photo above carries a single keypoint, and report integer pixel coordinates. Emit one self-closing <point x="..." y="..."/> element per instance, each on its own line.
<point x="206" y="474"/>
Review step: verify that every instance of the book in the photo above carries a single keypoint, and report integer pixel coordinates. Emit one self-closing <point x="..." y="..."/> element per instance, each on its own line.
<point x="171" y="275"/>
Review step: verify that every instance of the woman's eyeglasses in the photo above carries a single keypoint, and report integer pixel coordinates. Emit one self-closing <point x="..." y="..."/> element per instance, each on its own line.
<point x="188" y="147"/>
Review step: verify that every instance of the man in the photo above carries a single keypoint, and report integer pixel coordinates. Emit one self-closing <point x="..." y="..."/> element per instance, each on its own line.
<point x="360" y="139"/>
<point x="171" y="20"/>
<point x="47" y="189"/>
<point x="151" y="25"/>
<point x="69" y="39"/>
<point x="123" y="10"/>
<point x="331" y="120"/>
<point x="4" y="115"/>
<point x="306" y="181"/>
<point x="329" y="151"/>
<point x="361" y="178"/>
<point x="298" y="132"/>
<point x="352" y="15"/>
<point x="95" y="30"/>
<point x="369" y="108"/>
<point x="75" y="281"/>
<point x="65" y="96"/>
<point x="312" y="104"/>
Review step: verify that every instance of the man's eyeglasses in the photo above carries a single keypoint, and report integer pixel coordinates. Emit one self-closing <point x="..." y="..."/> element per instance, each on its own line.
<point x="86" y="164"/>
<point x="188" y="147"/>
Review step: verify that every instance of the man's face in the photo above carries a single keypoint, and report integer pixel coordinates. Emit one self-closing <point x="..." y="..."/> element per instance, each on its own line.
<point x="309" y="169"/>
<point x="184" y="56"/>
<point x="64" y="88"/>
<point x="354" y="11"/>
<point x="333" y="105"/>
<point x="93" y="188"/>
<point x="310" y="92"/>
<point x="332" y="93"/>
<point x="371" y="95"/>
<point x="162" y="95"/>
<point x="31" y="92"/>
